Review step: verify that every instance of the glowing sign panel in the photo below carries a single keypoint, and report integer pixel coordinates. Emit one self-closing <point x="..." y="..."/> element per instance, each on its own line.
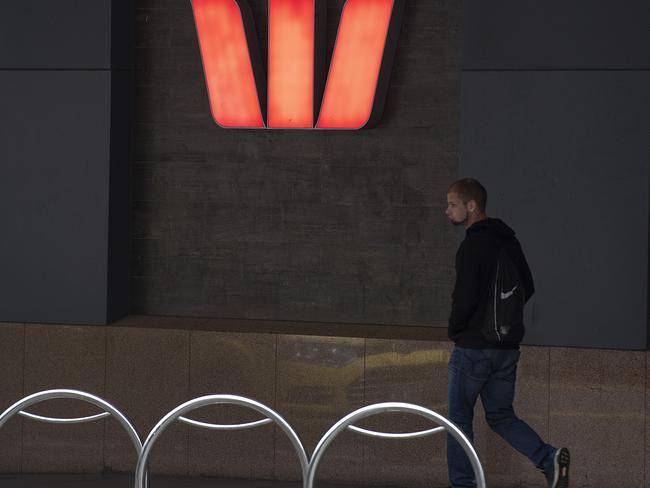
<point x="227" y="63"/>
<point x="291" y="63"/>
<point x="355" y="88"/>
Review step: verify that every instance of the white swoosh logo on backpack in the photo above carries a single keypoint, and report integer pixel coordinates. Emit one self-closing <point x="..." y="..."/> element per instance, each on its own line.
<point x="508" y="294"/>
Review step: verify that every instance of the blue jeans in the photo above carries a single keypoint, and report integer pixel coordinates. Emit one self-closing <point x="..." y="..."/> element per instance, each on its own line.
<point x="490" y="373"/>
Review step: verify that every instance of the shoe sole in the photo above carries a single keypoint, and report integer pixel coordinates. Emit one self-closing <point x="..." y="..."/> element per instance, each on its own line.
<point x="562" y="462"/>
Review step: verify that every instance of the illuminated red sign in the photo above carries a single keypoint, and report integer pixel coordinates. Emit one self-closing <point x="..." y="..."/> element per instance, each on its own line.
<point x="296" y="93"/>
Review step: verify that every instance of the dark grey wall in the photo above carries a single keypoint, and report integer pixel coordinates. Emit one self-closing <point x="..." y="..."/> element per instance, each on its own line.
<point x="297" y="225"/>
<point x="555" y="35"/>
<point x="64" y="147"/>
<point x="555" y="121"/>
<point x="66" y="34"/>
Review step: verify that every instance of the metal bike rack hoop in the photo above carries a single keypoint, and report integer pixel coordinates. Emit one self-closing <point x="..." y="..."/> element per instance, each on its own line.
<point x="178" y="412"/>
<point x="347" y="421"/>
<point x="109" y="410"/>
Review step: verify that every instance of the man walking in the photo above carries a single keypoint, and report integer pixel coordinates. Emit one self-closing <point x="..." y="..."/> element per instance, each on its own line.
<point x="493" y="281"/>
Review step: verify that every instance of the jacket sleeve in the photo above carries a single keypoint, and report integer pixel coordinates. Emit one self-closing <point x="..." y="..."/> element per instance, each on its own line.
<point x="466" y="295"/>
<point x="525" y="273"/>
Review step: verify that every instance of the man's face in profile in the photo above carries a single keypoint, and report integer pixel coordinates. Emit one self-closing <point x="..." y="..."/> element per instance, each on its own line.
<point x="456" y="210"/>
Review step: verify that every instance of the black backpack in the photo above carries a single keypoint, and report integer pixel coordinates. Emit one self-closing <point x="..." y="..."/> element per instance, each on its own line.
<point x="504" y="314"/>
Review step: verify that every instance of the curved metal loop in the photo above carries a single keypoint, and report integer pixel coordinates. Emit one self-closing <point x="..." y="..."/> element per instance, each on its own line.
<point x="203" y="401"/>
<point x="54" y="420"/>
<point x="206" y="425"/>
<point x="377" y="408"/>
<point x="396" y="435"/>
<point x="45" y="395"/>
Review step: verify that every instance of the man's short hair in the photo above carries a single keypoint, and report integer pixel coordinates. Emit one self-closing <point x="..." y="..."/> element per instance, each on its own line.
<point x="470" y="189"/>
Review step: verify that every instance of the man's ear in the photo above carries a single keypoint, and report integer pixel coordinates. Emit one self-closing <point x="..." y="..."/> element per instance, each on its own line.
<point x="471" y="205"/>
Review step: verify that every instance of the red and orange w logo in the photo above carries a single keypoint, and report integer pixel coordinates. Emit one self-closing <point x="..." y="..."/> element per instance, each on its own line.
<point x="296" y="95"/>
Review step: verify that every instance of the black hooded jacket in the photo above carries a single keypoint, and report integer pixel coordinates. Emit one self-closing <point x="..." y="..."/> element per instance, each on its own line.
<point x="475" y="262"/>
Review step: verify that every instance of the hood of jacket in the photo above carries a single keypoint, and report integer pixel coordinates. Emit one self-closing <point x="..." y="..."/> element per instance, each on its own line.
<point x="495" y="227"/>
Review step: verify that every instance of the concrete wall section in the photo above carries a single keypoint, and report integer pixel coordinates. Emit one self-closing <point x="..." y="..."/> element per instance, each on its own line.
<point x="330" y="226"/>
<point x="589" y="400"/>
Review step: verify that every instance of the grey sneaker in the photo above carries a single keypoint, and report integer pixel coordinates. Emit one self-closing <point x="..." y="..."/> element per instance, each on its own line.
<point x="559" y="477"/>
